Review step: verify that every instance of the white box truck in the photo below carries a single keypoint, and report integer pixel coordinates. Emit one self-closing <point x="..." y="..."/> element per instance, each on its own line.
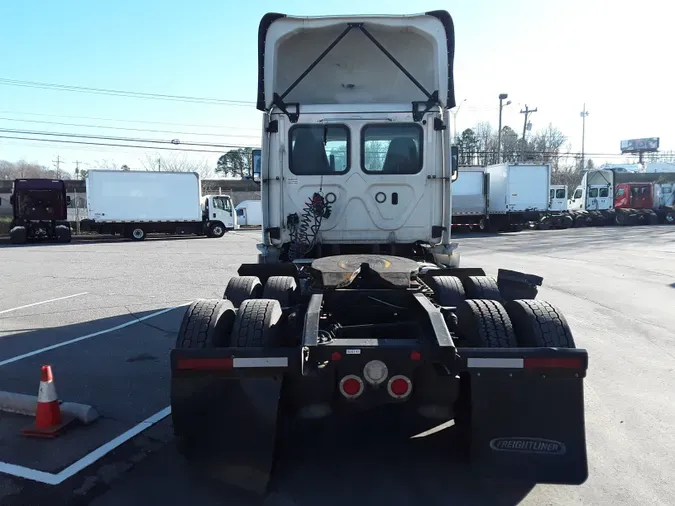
<point x="518" y="193"/>
<point x="249" y="213"/>
<point x="137" y="203"/>
<point x="469" y="198"/>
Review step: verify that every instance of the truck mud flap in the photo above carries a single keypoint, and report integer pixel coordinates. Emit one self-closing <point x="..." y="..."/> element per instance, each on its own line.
<point x="527" y="414"/>
<point x="225" y="415"/>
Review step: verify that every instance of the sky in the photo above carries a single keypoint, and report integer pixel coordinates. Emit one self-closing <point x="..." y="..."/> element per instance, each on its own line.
<point x="555" y="56"/>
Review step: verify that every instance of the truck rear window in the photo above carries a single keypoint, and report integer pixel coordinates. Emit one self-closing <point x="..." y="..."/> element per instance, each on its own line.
<point x="391" y="148"/>
<point x="318" y="150"/>
<point x="560" y="193"/>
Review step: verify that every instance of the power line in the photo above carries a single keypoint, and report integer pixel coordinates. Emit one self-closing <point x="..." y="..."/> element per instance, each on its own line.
<point x="123" y="93"/>
<point x="62" y="141"/>
<point x="121" y="139"/>
<point x="126" y="128"/>
<point x="126" y="120"/>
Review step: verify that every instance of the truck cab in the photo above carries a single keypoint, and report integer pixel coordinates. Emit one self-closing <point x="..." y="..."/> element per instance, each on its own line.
<point x="219" y="208"/>
<point x="356" y="154"/>
<point x="594" y="193"/>
<point x="557" y="198"/>
<point x="39" y="211"/>
<point x="634" y="196"/>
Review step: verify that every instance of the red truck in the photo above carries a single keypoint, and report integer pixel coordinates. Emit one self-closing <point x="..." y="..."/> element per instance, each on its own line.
<point x="647" y="202"/>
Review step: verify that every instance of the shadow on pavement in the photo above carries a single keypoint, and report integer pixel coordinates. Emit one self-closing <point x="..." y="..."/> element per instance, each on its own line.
<point x="97" y="239"/>
<point x="369" y="460"/>
<point x="123" y="373"/>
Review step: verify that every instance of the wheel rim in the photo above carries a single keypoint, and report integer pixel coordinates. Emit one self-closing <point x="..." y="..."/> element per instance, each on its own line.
<point x="137" y="233"/>
<point x="670" y="217"/>
<point x="217" y="230"/>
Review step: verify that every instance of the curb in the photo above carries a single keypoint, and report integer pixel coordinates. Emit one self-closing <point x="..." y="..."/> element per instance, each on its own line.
<point x="22" y="404"/>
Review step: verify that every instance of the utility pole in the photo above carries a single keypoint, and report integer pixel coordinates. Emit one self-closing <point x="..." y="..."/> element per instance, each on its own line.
<point x="58" y="166"/>
<point x="454" y="120"/>
<point x="584" y="113"/>
<point x="527" y="113"/>
<point x="502" y="96"/>
<point x="77" y="205"/>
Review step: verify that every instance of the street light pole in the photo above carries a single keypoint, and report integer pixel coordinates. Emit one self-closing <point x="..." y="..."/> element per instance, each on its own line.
<point x="584" y="113"/>
<point x="502" y="96"/>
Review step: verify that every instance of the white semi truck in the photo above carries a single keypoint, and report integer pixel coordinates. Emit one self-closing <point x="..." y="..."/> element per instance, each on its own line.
<point x="357" y="302"/>
<point x="137" y="203"/>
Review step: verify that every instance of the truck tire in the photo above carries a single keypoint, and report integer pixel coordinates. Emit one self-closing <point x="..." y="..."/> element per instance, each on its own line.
<point x="256" y="324"/>
<point x="281" y="288"/>
<point x="485" y="324"/>
<point x="539" y="324"/>
<point x="207" y="323"/>
<point x="137" y="233"/>
<point x="670" y="218"/>
<point x="63" y="233"/>
<point x="567" y="221"/>
<point x="216" y="230"/>
<point x="241" y="288"/>
<point x="482" y="287"/>
<point x="544" y="223"/>
<point x="653" y="218"/>
<point x="620" y="219"/>
<point x="448" y="290"/>
<point x="18" y="235"/>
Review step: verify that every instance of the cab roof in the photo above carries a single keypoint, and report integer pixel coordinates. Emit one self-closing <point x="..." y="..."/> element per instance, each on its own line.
<point x="383" y="59"/>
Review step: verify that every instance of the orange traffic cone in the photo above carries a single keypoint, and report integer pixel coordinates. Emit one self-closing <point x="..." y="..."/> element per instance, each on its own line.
<point x="48" y="419"/>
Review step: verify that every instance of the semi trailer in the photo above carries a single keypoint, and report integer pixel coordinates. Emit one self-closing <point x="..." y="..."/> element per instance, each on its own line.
<point x="357" y="302"/>
<point x="136" y="203"/>
<point x="608" y="196"/>
<point x="39" y="211"/>
<point x="469" y="198"/>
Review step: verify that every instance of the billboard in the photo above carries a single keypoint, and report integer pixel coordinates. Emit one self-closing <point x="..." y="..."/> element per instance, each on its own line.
<point x="637" y="145"/>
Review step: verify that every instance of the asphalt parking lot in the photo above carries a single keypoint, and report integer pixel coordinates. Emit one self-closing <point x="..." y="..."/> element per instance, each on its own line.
<point x="105" y="315"/>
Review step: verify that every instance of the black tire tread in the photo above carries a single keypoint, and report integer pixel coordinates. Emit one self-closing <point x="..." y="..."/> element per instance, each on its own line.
<point x="205" y="324"/>
<point x="482" y="287"/>
<point x="485" y="324"/>
<point x="281" y="288"/>
<point x="241" y="288"/>
<point x="539" y="324"/>
<point x="448" y="290"/>
<point x="255" y="324"/>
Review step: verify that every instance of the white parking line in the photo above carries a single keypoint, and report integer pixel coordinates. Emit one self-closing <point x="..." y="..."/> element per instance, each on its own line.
<point x="88" y="336"/>
<point x="87" y="460"/>
<point x="42" y="302"/>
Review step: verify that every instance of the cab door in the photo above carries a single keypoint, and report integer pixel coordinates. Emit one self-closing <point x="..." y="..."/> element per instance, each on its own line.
<point x="222" y="210"/>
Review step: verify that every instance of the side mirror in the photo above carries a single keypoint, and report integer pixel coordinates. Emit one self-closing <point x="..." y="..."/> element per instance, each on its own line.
<point x="454" y="156"/>
<point x="67" y="200"/>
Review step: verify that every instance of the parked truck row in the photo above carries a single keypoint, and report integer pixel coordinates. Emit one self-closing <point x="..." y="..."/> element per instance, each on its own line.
<point x="513" y="196"/>
<point x="127" y="203"/>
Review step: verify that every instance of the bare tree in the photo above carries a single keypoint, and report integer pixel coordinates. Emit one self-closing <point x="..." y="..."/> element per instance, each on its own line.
<point x="177" y="163"/>
<point x="24" y="169"/>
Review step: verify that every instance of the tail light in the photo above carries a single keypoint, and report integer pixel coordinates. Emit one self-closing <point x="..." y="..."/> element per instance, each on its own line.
<point x="351" y="386"/>
<point x="399" y="387"/>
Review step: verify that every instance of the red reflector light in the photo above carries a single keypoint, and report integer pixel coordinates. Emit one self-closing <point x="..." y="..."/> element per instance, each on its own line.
<point x="201" y="364"/>
<point x="415" y="355"/>
<point x="552" y="363"/>
<point x="351" y="386"/>
<point x="399" y="386"/>
<point x="336" y="356"/>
